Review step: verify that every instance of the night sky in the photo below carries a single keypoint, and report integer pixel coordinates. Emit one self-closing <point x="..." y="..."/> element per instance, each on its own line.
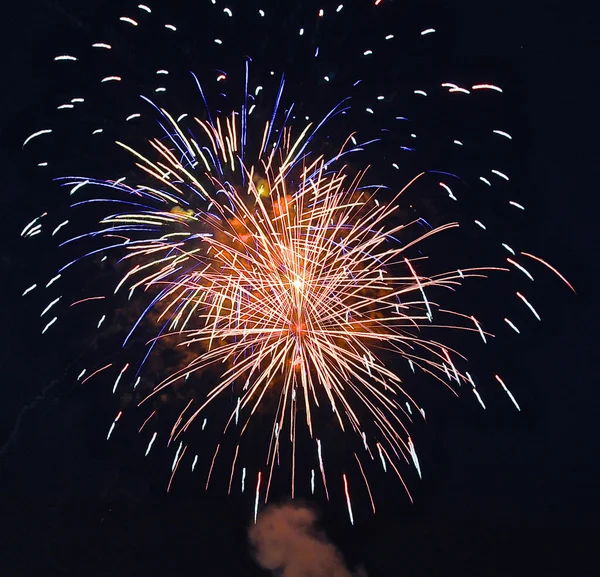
<point x="504" y="493"/>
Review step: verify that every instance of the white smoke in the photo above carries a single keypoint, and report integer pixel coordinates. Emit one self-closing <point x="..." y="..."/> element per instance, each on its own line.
<point x="287" y="542"/>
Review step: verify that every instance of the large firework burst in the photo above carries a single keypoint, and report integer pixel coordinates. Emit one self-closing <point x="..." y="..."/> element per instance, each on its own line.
<point x="280" y="270"/>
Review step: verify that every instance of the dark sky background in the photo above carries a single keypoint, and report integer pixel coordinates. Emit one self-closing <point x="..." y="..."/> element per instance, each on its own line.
<point x="504" y="493"/>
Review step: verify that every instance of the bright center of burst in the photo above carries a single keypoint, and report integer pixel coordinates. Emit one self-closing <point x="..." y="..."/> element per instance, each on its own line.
<point x="297" y="326"/>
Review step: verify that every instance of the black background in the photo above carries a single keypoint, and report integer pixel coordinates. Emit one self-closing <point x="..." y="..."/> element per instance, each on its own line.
<point x="503" y="494"/>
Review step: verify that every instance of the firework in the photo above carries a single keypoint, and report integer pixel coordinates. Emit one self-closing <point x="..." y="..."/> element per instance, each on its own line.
<point x="284" y="277"/>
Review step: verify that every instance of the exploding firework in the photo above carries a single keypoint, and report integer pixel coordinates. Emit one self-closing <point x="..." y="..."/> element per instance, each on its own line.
<point x="265" y="257"/>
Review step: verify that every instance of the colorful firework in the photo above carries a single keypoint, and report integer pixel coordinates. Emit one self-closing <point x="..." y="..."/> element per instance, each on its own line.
<point x="278" y="271"/>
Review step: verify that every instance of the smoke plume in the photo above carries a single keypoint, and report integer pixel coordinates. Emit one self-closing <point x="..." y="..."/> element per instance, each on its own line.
<point x="287" y="542"/>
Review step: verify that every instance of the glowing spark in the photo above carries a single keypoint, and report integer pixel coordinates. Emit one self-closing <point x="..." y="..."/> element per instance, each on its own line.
<point x="176" y="456"/>
<point x="382" y="458"/>
<point x="96" y="372"/>
<point x="560" y="276"/>
<point x="479" y="399"/>
<point x="49" y="324"/>
<point x="510" y="395"/>
<point x="114" y="424"/>
<point x="418" y="281"/>
<point x="257" y="496"/>
<point x="119" y="378"/>
<point x="502" y="133"/>
<point x="35" y="135"/>
<point x="448" y="190"/>
<point x="520" y="267"/>
<point x="481" y="333"/>
<point x="128" y="20"/>
<point x="50" y="306"/>
<point x="320" y="455"/>
<point x="530" y="306"/>
<point x="512" y="325"/>
<point x="487" y="87"/>
<point x="413" y="454"/>
<point x="33" y="231"/>
<point x="52" y="280"/>
<point x="151" y="443"/>
<point x="348" y="499"/>
<point x="85" y="300"/>
<point x="30" y="226"/>
<point x="212" y="465"/>
<point x="146" y="421"/>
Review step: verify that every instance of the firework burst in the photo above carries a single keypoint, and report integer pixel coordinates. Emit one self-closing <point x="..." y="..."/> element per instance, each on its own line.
<point x="283" y="271"/>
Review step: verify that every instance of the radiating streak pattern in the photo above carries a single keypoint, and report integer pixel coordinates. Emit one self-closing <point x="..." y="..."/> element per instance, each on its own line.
<point x="294" y="287"/>
<point x="282" y="269"/>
